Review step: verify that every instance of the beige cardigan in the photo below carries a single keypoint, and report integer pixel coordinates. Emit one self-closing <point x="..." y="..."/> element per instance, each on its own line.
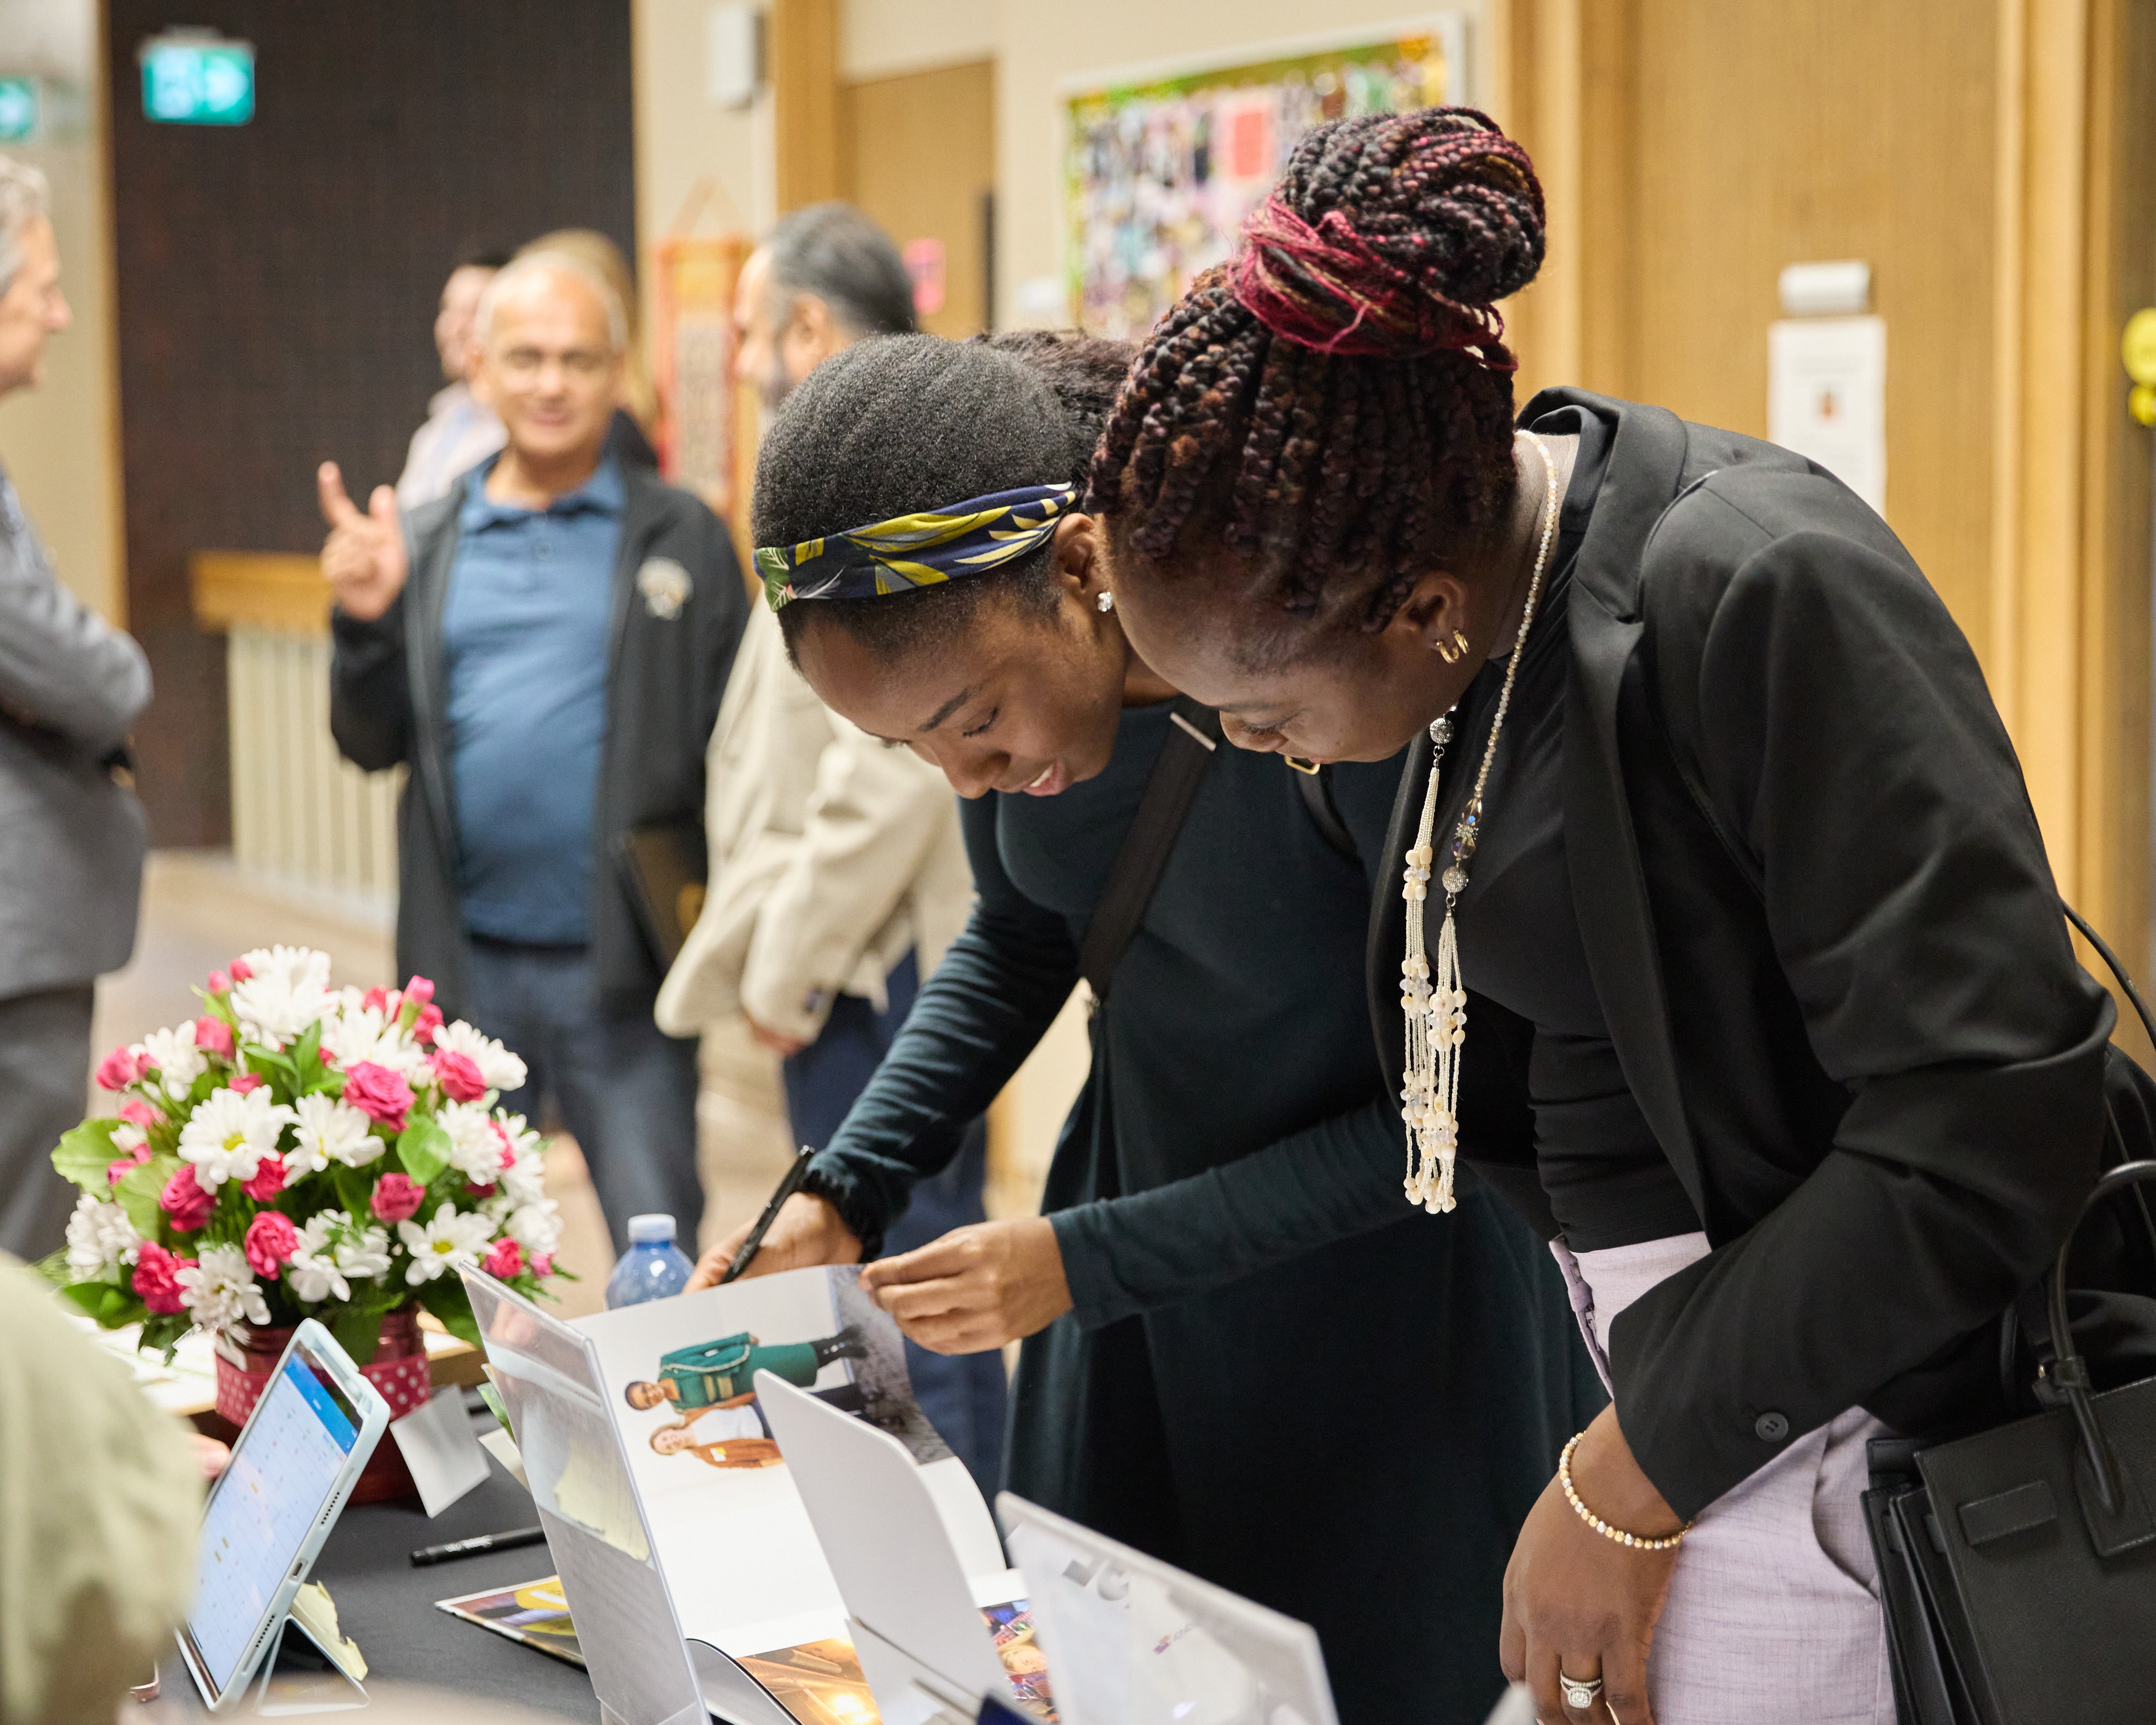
<point x="831" y="857"/>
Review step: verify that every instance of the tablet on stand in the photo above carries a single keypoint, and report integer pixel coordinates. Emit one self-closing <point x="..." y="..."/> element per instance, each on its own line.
<point x="292" y="1471"/>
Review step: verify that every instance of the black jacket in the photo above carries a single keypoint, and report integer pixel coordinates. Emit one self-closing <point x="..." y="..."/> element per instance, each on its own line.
<point x="665" y="673"/>
<point x="1823" y="932"/>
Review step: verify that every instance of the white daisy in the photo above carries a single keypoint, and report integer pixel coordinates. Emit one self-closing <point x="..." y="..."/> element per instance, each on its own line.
<point x="173" y="1053"/>
<point x="451" y="1239"/>
<point x="356" y="1032"/>
<point x="525" y="1180"/>
<point x="498" y="1068"/>
<point x="127" y="1138"/>
<point x="99" y="1235"/>
<point x="229" y="1134"/>
<point x="218" y="1290"/>
<point x="288" y="992"/>
<point x="364" y="1251"/>
<point x="330" y="1130"/>
<point x="474" y="1147"/>
<point x="312" y="1272"/>
<point x="536" y="1226"/>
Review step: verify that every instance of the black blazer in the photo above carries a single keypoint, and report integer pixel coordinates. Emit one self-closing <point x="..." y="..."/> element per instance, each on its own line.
<point x="667" y="672"/>
<point x="1820" y="923"/>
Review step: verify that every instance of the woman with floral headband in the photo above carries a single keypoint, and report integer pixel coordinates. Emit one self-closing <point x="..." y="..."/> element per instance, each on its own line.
<point x="1725" y="935"/>
<point x="1239" y="1352"/>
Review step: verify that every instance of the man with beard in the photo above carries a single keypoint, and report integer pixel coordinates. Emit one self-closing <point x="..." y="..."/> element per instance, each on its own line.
<point x="837" y="874"/>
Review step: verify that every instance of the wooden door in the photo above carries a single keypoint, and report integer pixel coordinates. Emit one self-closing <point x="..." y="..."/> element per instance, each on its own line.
<point x="918" y="151"/>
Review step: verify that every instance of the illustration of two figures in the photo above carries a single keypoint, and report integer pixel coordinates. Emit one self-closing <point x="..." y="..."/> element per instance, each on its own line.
<point x="713" y="1385"/>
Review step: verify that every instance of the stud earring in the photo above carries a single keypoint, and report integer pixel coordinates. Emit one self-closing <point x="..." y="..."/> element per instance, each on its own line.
<point x="1455" y="651"/>
<point x="1107" y="602"/>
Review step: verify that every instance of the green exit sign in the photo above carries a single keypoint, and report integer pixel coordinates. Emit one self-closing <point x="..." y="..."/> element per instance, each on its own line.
<point x="18" y="110"/>
<point x="197" y="79"/>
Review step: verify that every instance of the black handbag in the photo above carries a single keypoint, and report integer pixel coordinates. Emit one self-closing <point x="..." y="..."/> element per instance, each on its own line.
<point x="2017" y="1567"/>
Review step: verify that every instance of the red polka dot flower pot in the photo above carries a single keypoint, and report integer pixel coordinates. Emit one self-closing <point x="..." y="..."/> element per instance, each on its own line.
<point x="247" y="1359"/>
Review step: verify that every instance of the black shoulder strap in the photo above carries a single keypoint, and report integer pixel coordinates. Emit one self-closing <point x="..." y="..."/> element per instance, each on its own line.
<point x="1193" y="737"/>
<point x="1316" y="790"/>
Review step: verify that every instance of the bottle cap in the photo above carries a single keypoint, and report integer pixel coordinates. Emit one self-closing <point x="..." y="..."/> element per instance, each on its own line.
<point x="644" y="1229"/>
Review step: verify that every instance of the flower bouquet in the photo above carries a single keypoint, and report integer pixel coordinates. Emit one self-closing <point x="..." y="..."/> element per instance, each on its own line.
<point x="303" y="1152"/>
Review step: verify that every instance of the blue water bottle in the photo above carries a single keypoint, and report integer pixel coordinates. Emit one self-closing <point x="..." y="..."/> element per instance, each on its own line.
<point x="652" y="1268"/>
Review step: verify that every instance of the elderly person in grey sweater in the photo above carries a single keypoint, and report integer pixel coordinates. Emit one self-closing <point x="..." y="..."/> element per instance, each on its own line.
<point x="70" y="833"/>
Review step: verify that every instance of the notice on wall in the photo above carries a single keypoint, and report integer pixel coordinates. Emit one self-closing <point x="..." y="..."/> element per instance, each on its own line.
<point x="1162" y="163"/>
<point x="1827" y="398"/>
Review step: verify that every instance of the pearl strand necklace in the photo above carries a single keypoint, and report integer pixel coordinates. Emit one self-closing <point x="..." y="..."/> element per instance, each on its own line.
<point x="1436" y="1009"/>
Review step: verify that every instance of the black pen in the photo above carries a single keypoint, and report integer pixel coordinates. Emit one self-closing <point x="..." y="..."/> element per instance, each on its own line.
<point x="786" y="1188"/>
<point x="476" y="1546"/>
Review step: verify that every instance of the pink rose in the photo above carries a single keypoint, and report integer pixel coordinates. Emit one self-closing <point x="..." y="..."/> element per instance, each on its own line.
<point x="271" y="1240"/>
<point x="246" y="1082"/>
<point x="269" y="1179"/>
<point x="396" y="1197"/>
<point x="239" y="970"/>
<point x="139" y="1112"/>
<point x="376" y="1000"/>
<point x="486" y="1191"/>
<point x="185" y="1202"/>
<point x="378" y="1093"/>
<point x="117" y="1172"/>
<point x="158" y="1278"/>
<point x="504" y="1260"/>
<point x="419" y="990"/>
<point x="427" y="1023"/>
<point x="458" y="1076"/>
<point x="543" y="1265"/>
<point x="121" y="1068"/>
<point x="220" y="981"/>
<point x="213" y="1034"/>
<point x="327" y="1056"/>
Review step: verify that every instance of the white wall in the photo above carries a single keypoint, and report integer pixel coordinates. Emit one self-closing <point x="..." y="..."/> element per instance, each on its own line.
<point x="60" y="443"/>
<point x="681" y="137"/>
<point x="880" y="39"/>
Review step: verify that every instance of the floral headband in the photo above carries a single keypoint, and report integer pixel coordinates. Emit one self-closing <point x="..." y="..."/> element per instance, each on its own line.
<point x="912" y="550"/>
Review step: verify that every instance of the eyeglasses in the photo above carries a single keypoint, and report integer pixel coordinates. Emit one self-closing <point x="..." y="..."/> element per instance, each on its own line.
<point x="584" y="364"/>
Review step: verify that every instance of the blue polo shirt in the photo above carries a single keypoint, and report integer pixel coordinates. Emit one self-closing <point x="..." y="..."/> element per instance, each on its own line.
<point x="525" y="642"/>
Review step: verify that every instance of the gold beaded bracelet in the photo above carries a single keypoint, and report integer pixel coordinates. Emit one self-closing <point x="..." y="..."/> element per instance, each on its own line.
<point x="1638" y="1542"/>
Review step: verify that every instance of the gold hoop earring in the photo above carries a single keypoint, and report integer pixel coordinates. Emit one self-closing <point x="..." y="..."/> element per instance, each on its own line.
<point x="1456" y="650"/>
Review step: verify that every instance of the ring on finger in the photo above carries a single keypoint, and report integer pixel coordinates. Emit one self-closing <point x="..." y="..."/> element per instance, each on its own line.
<point x="1579" y="1691"/>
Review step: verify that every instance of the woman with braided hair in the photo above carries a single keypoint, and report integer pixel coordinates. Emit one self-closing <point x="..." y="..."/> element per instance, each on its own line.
<point x="1725" y="940"/>
<point x="1231" y="1354"/>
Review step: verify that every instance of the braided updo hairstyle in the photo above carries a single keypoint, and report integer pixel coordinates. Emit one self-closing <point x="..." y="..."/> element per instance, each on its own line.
<point x="1335" y="405"/>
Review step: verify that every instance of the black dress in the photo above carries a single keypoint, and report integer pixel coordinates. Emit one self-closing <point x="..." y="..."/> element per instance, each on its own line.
<point x="1277" y="1373"/>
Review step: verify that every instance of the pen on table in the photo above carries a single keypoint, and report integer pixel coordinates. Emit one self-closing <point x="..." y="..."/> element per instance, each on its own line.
<point x="786" y="1188"/>
<point x="475" y="1547"/>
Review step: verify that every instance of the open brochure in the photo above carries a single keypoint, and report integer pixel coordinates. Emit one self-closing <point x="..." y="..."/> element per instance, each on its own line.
<point x="731" y="1534"/>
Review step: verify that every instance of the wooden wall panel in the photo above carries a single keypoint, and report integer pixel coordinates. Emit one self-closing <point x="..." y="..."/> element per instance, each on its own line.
<point x="276" y="282"/>
<point x="1768" y="135"/>
<point x="919" y="155"/>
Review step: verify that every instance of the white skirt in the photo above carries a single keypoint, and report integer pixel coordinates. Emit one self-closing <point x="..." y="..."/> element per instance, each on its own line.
<point x="1773" y="1610"/>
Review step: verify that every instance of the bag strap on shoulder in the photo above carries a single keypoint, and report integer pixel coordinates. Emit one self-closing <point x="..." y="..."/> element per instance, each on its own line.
<point x="1193" y="737"/>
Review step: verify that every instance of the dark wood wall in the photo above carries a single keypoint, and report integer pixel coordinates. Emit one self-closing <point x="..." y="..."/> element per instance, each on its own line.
<point x="277" y="281"/>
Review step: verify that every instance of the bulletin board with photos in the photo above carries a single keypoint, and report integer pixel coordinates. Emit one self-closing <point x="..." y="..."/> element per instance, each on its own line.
<point x="1162" y="163"/>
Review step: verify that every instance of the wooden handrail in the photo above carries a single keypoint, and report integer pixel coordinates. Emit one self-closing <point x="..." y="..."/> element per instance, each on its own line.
<point x="259" y="589"/>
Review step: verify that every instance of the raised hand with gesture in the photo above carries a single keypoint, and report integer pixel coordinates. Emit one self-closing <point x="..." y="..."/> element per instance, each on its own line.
<point x="364" y="557"/>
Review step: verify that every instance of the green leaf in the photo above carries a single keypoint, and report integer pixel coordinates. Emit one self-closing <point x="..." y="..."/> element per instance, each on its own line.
<point x="113" y="1308"/>
<point x="358" y="1332"/>
<point x="163" y="1334"/>
<point x="53" y="1267"/>
<point x="354" y="1188"/>
<point x="423" y="1147"/>
<point x="492" y="1397"/>
<point x="445" y="1297"/>
<point x="83" y="1154"/>
<point x="137" y="1193"/>
<point x="306" y="1059"/>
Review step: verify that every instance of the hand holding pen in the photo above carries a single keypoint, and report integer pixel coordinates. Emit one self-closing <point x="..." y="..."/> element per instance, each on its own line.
<point x="796" y="1230"/>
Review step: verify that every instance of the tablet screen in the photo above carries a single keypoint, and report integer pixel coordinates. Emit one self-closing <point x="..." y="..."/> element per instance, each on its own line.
<point x="261" y="1509"/>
